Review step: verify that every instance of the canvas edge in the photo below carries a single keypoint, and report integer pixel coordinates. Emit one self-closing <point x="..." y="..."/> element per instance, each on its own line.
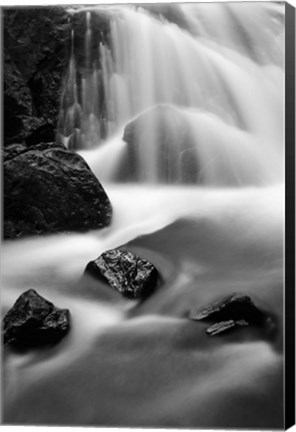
<point x="289" y="304"/>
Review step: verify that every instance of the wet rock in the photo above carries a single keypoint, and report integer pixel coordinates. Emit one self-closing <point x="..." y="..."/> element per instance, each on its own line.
<point x="36" y="52"/>
<point x="130" y="275"/>
<point x="234" y="307"/>
<point x="34" y="321"/>
<point x="161" y="132"/>
<point x="224" y="326"/>
<point x="47" y="189"/>
<point x="45" y="133"/>
<point x="233" y="311"/>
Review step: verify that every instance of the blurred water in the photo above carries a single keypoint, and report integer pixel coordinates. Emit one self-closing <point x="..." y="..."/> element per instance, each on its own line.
<point x="206" y="243"/>
<point x="202" y="199"/>
<point x="224" y="84"/>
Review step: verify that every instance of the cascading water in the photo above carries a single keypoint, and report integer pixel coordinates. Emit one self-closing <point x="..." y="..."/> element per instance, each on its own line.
<point x="178" y="110"/>
<point x="217" y="102"/>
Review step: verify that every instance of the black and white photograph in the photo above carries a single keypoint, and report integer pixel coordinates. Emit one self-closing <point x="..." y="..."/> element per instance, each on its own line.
<point x="146" y="273"/>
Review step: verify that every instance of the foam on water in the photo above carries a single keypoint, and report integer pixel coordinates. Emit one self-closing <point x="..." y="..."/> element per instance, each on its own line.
<point x="215" y="74"/>
<point x="232" y="85"/>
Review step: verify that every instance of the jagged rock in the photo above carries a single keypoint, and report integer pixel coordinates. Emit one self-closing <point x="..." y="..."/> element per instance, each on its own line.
<point x="34" y="321"/>
<point x="223" y="326"/>
<point x="48" y="188"/>
<point x="233" y="311"/>
<point x="130" y="275"/>
<point x="36" y="52"/>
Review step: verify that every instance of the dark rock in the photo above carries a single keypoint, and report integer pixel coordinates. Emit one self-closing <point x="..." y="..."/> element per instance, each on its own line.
<point x="234" y="307"/>
<point x="36" y="52"/>
<point x="130" y="275"/>
<point x="223" y="326"/>
<point x="48" y="188"/>
<point x="34" y="321"/>
<point x="13" y="150"/>
<point x="45" y="133"/>
<point x="163" y="132"/>
<point x="236" y="310"/>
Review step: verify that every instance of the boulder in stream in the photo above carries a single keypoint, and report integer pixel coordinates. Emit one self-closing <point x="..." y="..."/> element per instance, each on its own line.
<point x="48" y="189"/>
<point x="236" y="310"/>
<point x="34" y="321"/>
<point x="130" y="275"/>
<point x="163" y="136"/>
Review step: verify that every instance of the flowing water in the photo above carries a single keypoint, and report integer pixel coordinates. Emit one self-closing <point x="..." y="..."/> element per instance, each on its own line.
<point x="178" y="110"/>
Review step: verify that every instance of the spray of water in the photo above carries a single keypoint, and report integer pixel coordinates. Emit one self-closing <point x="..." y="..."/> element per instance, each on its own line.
<point x="224" y="85"/>
<point x="165" y="95"/>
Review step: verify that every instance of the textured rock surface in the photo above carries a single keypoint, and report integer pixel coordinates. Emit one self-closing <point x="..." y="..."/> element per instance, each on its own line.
<point x="130" y="275"/>
<point x="34" y="321"/>
<point x="236" y="310"/>
<point x="36" y="45"/>
<point x="48" y="188"/>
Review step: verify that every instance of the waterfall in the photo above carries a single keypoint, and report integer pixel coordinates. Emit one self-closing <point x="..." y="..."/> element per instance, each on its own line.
<point x="178" y="110"/>
<point x="208" y="95"/>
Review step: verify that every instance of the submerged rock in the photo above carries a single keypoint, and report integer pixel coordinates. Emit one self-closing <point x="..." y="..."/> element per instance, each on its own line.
<point x="48" y="188"/>
<point x="224" y="326"/>
<point x="130" y="275"/>
<point x="34" y="321"/>
<point x="236" y="306"/>
<point x="236" y="310"/>
<point x="162" y="133"/>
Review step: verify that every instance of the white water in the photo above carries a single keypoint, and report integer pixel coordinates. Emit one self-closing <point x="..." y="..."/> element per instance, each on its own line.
<point x="211" y="76"/>
<point x="226" y="95"/>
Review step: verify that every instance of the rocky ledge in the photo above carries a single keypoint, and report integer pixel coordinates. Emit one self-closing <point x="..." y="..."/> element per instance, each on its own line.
<point x="47" y="189"/>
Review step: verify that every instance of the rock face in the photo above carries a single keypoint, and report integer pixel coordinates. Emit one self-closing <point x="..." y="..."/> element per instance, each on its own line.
<point x="236" y="310"/>
<point x="36" y="45"/>
<point x="83" y="114"/>
<point x="34" y="321"/>
<point x="130" y="275"/>
<point x="161" y="133"/>
<point x="48" y="188"/>
<point x="39" y="95"/>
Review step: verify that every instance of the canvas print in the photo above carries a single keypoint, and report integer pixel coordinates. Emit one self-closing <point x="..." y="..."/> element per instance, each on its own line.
<point x="143" y="215"/>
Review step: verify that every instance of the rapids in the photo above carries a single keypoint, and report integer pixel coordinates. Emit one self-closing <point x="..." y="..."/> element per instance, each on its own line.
<point x="219" y="67"/>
